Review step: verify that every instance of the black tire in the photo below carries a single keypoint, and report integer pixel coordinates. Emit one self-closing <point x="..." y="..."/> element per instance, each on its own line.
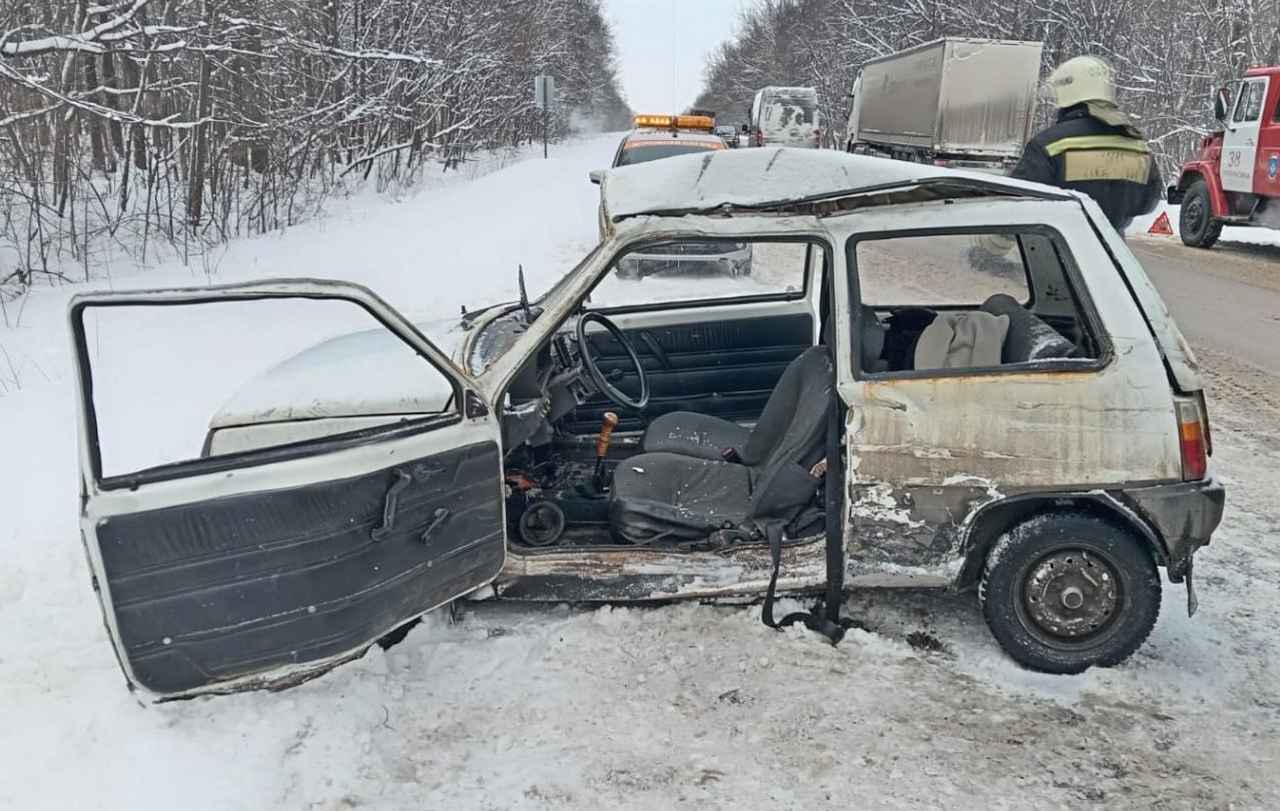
<point x="1196" y="223"/>
<point x="1037" y="569"/>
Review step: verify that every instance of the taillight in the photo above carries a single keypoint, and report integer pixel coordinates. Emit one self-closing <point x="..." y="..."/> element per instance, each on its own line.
<point x="1208" y="431"/>
<point x="1192" y="439"/>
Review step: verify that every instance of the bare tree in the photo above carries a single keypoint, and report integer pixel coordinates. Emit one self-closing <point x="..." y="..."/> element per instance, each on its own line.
<point x="1169" y="56"/>
<point x="126" y="124"/>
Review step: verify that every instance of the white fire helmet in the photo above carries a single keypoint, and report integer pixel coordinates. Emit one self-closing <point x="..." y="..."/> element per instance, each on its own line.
<point x="1084" y="78"/>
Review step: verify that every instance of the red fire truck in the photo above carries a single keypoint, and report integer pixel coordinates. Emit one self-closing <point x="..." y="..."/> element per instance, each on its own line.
<point x="1237" y="173"/>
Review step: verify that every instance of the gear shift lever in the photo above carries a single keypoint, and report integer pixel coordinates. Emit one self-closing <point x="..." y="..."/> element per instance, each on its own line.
<point x="602" y="447"/>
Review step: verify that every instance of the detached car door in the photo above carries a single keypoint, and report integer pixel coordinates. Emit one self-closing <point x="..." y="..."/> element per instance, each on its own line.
<point x="270" y="563"/>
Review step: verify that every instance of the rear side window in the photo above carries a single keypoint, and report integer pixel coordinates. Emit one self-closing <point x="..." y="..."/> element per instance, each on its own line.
<point x="942" y="303"/>
<point x="941" y="270"/>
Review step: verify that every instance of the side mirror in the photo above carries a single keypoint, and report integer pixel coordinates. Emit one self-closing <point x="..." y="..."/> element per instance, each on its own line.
<point x="1221" y="102"/>
<point x="596" y="176"/>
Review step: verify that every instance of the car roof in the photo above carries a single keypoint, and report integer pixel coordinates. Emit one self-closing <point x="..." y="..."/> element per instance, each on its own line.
<point x="777" y="178"/>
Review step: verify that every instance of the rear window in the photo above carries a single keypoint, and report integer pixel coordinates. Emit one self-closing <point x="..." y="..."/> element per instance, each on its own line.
<point x="786" y="109"/>
<point x="643" y="151"/>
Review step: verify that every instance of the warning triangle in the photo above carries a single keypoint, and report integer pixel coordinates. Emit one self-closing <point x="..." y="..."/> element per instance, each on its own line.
<point x="1161" y="226"/>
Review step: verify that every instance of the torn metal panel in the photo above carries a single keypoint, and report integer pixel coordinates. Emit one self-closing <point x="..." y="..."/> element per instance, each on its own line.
<point x="640" y="574"/>
<point x="930" y="452"/>
<point x="1185" y="516"/>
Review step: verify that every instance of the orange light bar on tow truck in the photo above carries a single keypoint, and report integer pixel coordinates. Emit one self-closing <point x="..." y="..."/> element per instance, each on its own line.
<point x="676" y="122"/>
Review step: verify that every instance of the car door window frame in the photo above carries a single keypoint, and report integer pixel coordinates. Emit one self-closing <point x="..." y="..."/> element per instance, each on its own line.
<point x="1256" y="91"/>
<point x="1237" y="114"/>
<point x="1092" y="321"/>
<point x="629" y="247"/>
<point x="1028" y="282"/>
<point x="187" y="468"/>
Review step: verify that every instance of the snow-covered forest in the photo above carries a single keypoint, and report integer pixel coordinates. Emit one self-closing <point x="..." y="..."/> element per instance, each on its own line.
<point x="131" y="126"/>
<point x="1169" y="56"/>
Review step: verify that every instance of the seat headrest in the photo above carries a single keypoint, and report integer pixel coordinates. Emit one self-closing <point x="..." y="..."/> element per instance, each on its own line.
<point x="1001" y="304"/>
<point x="1029" y="338"/>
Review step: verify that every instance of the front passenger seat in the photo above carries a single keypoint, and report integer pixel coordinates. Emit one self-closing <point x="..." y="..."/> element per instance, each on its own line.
<point x="668" y="496"/>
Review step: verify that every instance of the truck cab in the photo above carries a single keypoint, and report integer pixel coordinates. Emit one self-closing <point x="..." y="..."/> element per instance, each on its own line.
<point x="1236" y="175"/>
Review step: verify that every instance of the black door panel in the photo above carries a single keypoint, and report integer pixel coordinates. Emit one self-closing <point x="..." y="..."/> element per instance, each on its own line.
<point x="725" y="368"/>
<point x="229" y="587"/>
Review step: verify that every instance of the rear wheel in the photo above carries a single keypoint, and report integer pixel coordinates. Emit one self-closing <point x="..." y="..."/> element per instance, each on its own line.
<point x="1063" y="592"/>
<point x="1196" y="222"/>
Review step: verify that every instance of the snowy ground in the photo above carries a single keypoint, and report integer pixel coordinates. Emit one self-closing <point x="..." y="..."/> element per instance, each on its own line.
<point x="551" y="707"/>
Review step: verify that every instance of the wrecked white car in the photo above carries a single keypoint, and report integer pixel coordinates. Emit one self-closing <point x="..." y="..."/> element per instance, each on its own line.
<point x="930" y="379"/>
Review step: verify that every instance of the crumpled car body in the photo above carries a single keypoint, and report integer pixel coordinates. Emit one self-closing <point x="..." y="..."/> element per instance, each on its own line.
<point x="942" y="468"/>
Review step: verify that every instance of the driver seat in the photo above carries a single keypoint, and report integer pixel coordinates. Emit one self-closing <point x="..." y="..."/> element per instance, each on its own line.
<point x="703" y="436"/>
<point x="664" y="495"/>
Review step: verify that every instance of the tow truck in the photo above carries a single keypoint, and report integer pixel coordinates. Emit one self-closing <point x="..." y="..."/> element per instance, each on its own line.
<point x="1236" y="175"/>
<point x="664" y="136"/>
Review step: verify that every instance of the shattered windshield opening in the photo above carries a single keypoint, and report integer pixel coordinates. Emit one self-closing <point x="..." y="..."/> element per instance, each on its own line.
<point x="498" y="336"/>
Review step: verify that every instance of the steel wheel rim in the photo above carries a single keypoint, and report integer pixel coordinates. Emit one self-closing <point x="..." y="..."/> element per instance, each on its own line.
<point x="1193" y="213"/>
<point x="1071" y="598"/>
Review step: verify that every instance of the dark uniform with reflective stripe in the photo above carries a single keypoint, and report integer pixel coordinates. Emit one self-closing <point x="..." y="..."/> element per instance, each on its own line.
<point x="1109" y="162"/>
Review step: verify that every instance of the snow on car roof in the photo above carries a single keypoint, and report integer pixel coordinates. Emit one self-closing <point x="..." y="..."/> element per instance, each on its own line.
<point x="761" y="176"/>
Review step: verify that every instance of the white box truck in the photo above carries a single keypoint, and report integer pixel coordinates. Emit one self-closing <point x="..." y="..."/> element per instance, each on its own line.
<point x="954" y="101"/>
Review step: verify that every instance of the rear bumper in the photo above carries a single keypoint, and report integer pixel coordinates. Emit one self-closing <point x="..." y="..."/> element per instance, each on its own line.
<point x="1185" y="516"/>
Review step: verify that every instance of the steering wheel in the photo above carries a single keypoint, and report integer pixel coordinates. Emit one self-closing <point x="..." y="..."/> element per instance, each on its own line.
<point x="602" y="383"/>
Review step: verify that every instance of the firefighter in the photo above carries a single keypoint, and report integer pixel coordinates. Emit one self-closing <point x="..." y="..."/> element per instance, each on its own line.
<point x="1093" y="147"/>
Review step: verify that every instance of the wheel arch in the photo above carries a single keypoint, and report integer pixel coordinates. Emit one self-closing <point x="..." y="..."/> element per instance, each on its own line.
<point x="1200" y="170"/>
<point x="986" y="524"/>
<point x="1187" y="176"/>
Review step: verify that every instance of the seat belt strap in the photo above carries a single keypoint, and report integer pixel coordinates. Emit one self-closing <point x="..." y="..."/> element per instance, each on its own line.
<point x="825" y="617"/>
<point x="774" y="533"/>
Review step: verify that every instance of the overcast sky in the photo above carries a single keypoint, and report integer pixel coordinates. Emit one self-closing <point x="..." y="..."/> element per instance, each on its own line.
<point x="663" y="45"/>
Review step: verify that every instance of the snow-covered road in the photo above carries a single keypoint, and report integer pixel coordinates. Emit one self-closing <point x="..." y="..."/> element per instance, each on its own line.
<point x="550" y="707"/>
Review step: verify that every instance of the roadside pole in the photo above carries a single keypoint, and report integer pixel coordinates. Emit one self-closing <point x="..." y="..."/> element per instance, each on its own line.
<point x="544" y="94"/>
